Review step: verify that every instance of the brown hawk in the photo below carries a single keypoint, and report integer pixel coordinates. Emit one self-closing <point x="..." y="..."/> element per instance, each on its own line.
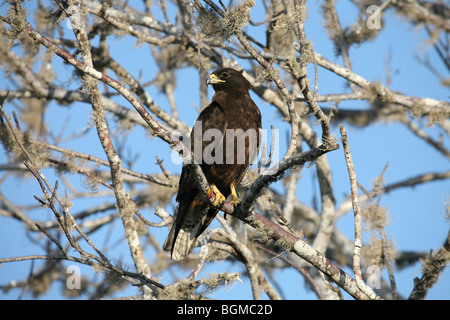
<point x="224" y="142"/>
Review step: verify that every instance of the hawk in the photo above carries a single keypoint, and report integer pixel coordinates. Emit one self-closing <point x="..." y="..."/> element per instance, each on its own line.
<point x="224" y="141"/>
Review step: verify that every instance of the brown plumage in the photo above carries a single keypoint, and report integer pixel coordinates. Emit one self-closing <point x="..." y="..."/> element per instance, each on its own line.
<point x="223" y="158"/>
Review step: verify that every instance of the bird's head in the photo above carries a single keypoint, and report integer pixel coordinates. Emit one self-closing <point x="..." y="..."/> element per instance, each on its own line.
<point x="228" y="79"/>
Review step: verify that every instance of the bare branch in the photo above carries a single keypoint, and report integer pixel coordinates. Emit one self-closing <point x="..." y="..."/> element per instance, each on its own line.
<point x="358" y="238"/>
<point x="433" y="266"/>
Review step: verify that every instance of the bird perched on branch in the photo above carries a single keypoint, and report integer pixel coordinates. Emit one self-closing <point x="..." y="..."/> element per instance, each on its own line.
<point x="224" y="142"/>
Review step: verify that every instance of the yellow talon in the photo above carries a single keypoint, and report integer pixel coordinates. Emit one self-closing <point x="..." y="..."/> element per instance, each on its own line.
<point x="219" y="197"/>
<point x="234" y="198"/>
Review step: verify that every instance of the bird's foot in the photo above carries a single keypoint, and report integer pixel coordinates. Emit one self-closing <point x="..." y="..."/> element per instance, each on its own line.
<point x="235" y="201"/>
<point x="234" y="198"/>
<point x="219" y="197"/>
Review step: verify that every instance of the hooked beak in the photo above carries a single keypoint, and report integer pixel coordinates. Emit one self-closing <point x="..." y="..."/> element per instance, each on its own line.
<point x="213" y="79"/>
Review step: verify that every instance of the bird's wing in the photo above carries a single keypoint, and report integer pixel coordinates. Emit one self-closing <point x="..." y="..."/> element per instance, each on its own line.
<point x="194" y="214"/>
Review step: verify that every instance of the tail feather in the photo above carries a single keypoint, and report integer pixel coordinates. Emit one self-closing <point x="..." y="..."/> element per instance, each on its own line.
<point x="183" y="234"/>
<point x="180" y="245"/>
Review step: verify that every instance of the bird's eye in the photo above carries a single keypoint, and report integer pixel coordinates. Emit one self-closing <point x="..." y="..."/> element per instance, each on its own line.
<point x="225" y="75"/>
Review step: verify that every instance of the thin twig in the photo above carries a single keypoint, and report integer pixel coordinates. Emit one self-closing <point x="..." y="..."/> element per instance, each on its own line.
<point x="357" y="214"/>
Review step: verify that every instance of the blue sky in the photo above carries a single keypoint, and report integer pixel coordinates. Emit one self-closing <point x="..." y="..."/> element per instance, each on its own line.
<point x="417" y="215"/>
